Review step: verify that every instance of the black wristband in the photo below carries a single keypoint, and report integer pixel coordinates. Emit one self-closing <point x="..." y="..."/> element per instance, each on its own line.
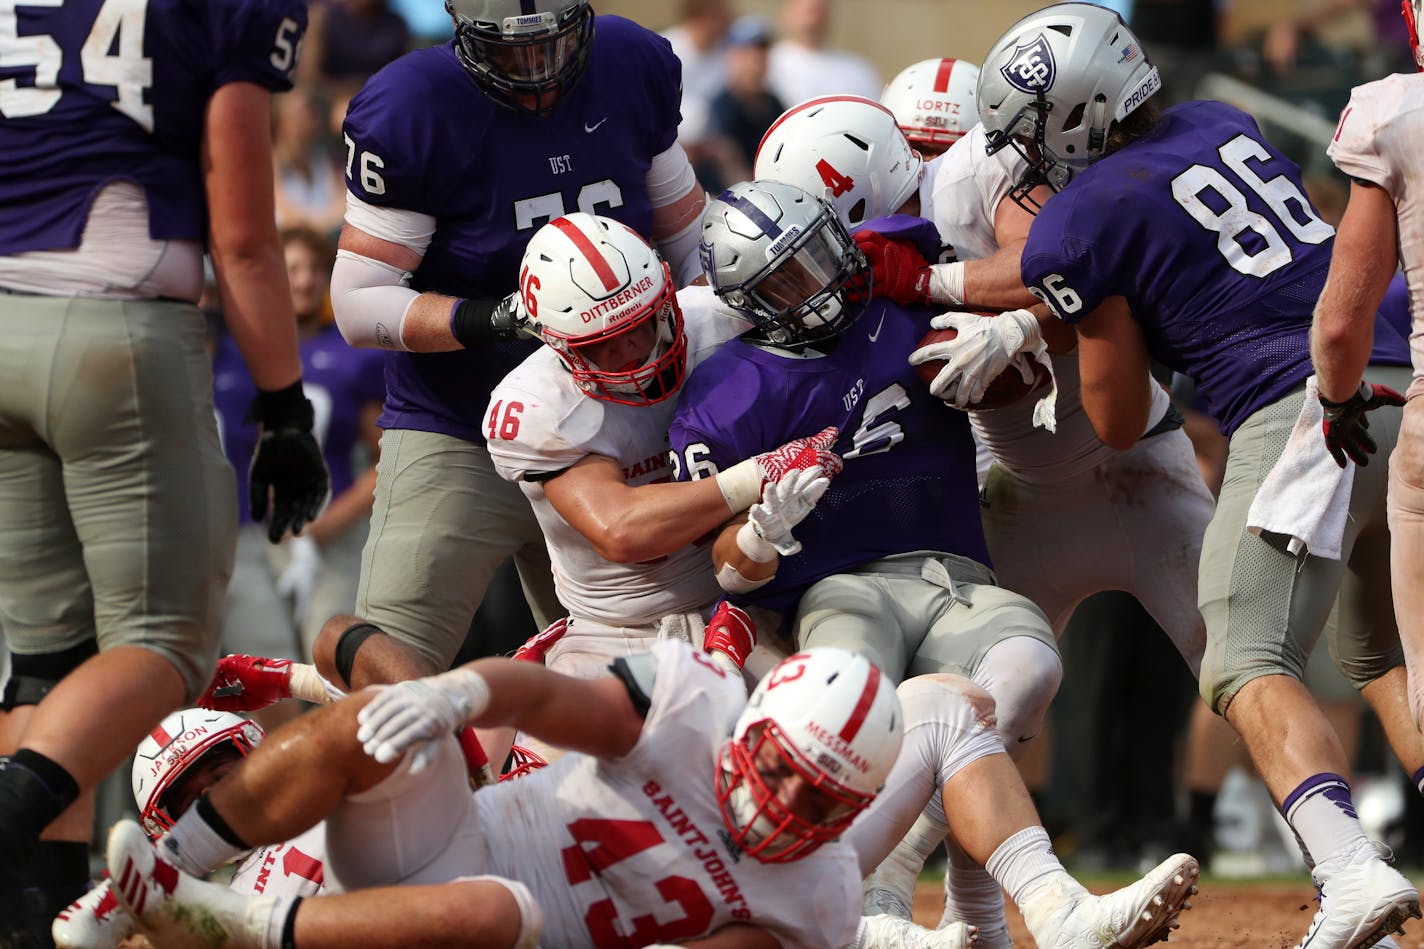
<point x="347" y="645"/>
<point x="480" y="321"/>
<point x="284" y="408"/>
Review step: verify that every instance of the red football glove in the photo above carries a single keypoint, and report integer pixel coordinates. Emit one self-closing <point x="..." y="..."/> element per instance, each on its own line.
<point x="901" y="273"/>
<point x="535" y="646"/>
<point x="731" y="632"/>
<point x="1346" y="425"/>
<point x="247" y="683"/>
<point x="800" y="454"/>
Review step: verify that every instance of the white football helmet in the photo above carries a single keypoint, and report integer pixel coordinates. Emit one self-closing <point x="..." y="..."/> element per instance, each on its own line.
<point x="1052" y="86"/>
<point x="783" y="258"/>
<point x="826" y="716"/>
<point x="845" y="149"/>
<point x="178" y="743"/>
<point x="1413" y="12"/>
<point x="587" y="281"/>
<point x="524" y="54"/>
<point x="934" y="102"/>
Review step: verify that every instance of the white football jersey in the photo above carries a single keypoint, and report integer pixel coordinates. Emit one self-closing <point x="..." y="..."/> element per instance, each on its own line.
<point x="602" y="842"/>
<point x="961" y="195"/>
<point x="1380" y="139"/>
<point x="294" y="868"/>
<point x="558" y="426"/>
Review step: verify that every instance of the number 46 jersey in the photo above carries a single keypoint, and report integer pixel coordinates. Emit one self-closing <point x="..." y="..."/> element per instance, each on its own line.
<point x="93" y="91"/>
<point x="632" y="851"/>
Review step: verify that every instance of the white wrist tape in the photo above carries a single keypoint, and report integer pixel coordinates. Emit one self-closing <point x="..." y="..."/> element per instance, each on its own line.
<point x="1028" y="325"/>
<point x="754" y="545"/>
<point x="729" y="578"/>
<point x="741" y="485"/>
<point x="468" y="689"/>
<point x="947" y="283"/>
<point x="307" y="684"/>
<point x="369" y="299"/>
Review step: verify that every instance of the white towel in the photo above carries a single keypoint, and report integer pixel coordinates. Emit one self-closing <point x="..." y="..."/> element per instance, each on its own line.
<point x="1306" y="496"/>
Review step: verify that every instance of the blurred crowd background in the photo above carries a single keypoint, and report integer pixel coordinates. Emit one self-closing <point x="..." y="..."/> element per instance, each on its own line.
<point x="1135" y="767"/>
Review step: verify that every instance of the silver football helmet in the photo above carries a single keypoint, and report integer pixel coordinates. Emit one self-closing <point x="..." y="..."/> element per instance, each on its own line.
<point x="933" y="102"/>
<point x="783" y="258"/>
<point x="1054" y="84"/>
<point x="524" y="54"/>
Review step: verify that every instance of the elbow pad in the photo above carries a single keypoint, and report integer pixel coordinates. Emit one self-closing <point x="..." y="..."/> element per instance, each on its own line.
<point x="370" y="299"/>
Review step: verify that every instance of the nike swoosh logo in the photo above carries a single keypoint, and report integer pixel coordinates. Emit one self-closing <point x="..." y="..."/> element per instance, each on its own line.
<point x="876" y="335"/>
<point x="594" y="126"/>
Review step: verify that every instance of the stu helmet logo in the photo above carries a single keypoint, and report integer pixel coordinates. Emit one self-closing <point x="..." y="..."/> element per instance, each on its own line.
<point x="1031" y="68"/>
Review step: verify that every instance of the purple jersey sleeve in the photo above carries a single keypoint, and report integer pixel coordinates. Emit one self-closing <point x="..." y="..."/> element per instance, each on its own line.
<point x="420" y="136"/>
<point x="1205" y="229"/>
<point x="918" y="231"/>
<point x="909" y="480"/>
<point x="134" y="111"/>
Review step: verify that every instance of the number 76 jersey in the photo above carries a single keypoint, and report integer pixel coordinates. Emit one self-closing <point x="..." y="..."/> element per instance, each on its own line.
<point x="93" y="91"/>
<point x="1206" y="229"/>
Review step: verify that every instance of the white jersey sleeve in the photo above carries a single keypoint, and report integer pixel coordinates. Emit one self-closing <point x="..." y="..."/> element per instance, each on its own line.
<point x="294" y="868"/>
<point x="547" y="419"/>
<point x="965" y="188"/>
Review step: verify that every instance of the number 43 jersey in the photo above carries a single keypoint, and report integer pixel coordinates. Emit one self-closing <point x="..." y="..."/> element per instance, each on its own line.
<point x="633" y="851"/>
<point x="1206" y="229"/>
<point x="93" y="91"/>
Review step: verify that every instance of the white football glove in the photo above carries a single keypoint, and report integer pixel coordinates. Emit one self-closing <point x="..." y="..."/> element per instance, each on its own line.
<point x="416" y="715"/>
<point x="299" y="580"/>
<point x="784" y="504"/>
<point x="984" y="349"/>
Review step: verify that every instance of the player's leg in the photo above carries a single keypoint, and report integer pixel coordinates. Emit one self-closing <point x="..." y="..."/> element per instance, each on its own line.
<point x="861" y="613"/>
<point x="1406" y="513"/>
<point x="1264" y="610"/>
<point x="443" y="522"/>
<point x="133" y="463"/>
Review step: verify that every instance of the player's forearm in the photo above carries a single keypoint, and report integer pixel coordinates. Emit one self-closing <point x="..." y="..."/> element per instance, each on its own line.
<point x="590" y="715"/>
<point x="257" y="310"/>
<point x="994" y="282"/>
<point x="741" y="564"/>
<point x="655" y="520"/>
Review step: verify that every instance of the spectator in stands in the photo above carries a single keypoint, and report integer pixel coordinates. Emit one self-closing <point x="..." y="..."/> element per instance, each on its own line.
<point x="1282" y="43"/>
<point x="310" y="190"/>
<point x="802" y="65"/>
<point x="745" y="109"/>
<point x="351" y="39"/>
<point x="698" y="41"/>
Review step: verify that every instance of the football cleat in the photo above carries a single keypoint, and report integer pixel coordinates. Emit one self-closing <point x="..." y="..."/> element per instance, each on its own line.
<point x="890" y="932"/>
<point x="1362" y="900"/>
<point x="94" y="921"/>
<point x="1063" y="915"/>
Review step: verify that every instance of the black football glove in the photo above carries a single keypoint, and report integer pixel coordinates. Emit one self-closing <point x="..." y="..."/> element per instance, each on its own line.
<point x="1347" y="428"/>
<point x="287" y="462"/>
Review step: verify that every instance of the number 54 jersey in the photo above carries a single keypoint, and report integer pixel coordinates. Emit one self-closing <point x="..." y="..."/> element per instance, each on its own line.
<point x="94" y="91"/>
<point x="633" y="851"/>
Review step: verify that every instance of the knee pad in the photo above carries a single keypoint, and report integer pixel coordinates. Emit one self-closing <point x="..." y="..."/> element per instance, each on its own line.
<point x="949" y="722"/>
<point x="1022" y="673"/>
<point x="531" y="916"/>
<point x="33" y="675"/>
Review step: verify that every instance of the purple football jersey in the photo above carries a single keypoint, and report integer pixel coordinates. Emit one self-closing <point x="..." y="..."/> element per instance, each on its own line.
<point x="339" y="381"/>
<point x="102" y="91"/>
<point x="1205" y="229"/>
<point x="909" y="480"/>
<point x="422" y="137"/>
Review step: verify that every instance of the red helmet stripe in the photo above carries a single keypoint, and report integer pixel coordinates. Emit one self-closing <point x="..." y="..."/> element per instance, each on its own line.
<point x="813" y="103"/>
<point x="941" y="83"/>
<point x="862" y="705"/>
<point x="585" y="246"/>
<point x="160" y="736"/>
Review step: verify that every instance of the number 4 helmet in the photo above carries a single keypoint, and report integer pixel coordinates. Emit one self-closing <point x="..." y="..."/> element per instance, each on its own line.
<point x="934" y="102"/>
<point x="1054" y="84"/>
<point x="587" y="281"/>
<point x="846" y="150"/>
<point x="524" y="54"/>
<point x="783" y="258"/>
<point x="178" y="743"/>
<point x="825" y="720"/>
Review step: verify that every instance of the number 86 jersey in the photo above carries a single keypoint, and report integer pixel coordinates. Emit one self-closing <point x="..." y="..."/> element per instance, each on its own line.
<point x="633" y="851"/>
<point x="93" y="91"/>
<point x="1206" y="229"/>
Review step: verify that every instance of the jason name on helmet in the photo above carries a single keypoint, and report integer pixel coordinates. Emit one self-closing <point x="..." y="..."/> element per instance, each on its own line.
<point x="164" y="761"/>
<point x="812" y="748"/>
<point x="1053" y="87"/>
<point x="605" y="302"/>
<point x="783" y="258"/>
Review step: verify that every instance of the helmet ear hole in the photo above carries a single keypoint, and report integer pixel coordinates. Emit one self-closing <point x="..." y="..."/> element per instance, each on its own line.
<point x="857" y="213"/>
<point x="1075" y="118"/>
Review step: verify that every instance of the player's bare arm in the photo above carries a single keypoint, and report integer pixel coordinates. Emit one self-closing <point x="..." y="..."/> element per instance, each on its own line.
<point x="425" y="327"/>
<point x="247" y="257"/>
<point x="629" y="524"/>
<point x="1363" y="261"/>
<point x="1113" y="361"/>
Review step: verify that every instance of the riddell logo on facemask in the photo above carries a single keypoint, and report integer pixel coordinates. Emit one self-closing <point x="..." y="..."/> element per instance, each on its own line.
<point x="605" y="307"/>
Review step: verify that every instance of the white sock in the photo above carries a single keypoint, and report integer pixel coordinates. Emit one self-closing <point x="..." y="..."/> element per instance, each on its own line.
<point x="195" y="847"/>
<point x="900" y="871"/>
<point x="1024" y="862"/>
<point x="1322" y="814"/>
<point x="972" y="895"/>
<point x="278" y="912"/>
